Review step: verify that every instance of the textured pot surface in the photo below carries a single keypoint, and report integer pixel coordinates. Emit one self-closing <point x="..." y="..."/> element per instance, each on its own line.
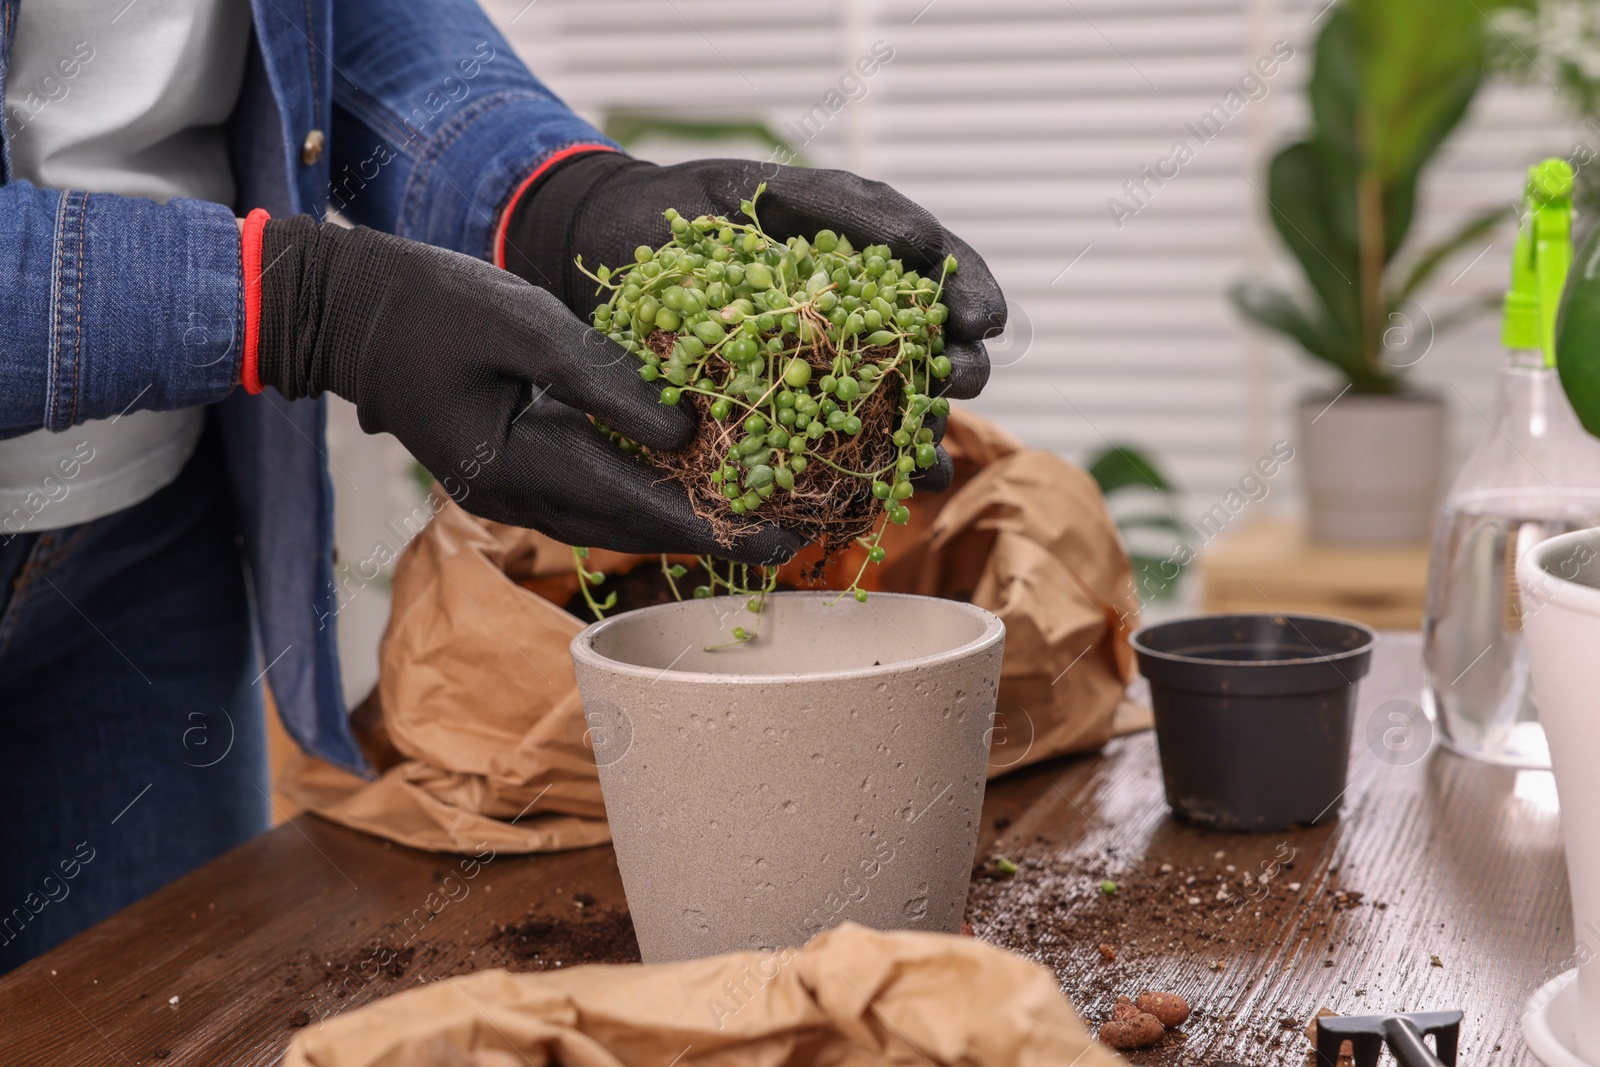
<point x="1560" y="584"/>
<point x="1374" y="466"/>
<point x="831" y="769"/>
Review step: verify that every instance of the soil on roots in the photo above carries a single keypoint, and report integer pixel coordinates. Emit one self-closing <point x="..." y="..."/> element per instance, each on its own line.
<point x="831" y="503"/>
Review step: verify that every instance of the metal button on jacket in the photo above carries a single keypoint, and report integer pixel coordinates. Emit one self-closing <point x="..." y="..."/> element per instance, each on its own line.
<point x="311" y="148"/>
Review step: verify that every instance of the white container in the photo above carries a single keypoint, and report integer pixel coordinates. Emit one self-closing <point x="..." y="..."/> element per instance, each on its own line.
<point x="1560" y="585"/>
<point x="831" y="769"/>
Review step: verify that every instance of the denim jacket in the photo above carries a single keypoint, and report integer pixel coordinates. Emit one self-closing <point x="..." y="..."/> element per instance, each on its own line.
<point x="409" y="116"/>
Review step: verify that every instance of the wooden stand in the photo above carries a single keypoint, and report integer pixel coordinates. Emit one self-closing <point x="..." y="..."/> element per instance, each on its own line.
<point x="1271" y="565"/>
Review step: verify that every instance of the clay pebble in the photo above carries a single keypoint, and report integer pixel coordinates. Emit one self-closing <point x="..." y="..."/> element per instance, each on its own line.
<point x="1170" y="1008"/>
<point x="1140" y="1031"/>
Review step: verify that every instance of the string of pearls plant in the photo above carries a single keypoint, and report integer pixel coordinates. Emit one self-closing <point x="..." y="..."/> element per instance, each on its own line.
<point x="811" y="367"/>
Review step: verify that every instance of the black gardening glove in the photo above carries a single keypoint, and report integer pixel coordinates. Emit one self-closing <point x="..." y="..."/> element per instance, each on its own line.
<point x="603" y="205"/>
<point x="486" y="380"/>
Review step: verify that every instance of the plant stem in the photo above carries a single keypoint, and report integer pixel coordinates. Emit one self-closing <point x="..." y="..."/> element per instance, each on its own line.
<point x="586" y="578"/>
<point x="1369" y="230"/>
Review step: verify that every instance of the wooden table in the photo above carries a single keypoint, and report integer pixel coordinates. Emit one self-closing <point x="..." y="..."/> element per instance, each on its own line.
<point x="1271" y="564"/>
<point x="1465" y="905"/>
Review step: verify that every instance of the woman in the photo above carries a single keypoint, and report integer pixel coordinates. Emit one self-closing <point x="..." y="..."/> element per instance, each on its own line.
<point x="171" y="309"/>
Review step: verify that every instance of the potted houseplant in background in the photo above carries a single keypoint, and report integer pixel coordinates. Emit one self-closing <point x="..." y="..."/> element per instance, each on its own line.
<point x="1144" y="504"/>
<point x="1392" y="79"/>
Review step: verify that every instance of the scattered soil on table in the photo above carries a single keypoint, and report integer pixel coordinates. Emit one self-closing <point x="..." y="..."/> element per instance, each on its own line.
<point x="1345" y="899"/>
<point x="546" y="942"/>
<point x="326" y="986"/>
<point x="1165" y="925"/>
<point x="539" y="942"/>
<point x="320" y="986"/>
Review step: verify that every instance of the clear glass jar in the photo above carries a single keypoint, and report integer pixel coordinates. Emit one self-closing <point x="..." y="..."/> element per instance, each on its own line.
<point x="1535" y="473"/>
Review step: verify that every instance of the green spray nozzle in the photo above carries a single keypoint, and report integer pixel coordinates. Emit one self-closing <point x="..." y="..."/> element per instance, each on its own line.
<point x="1540" y="260"/>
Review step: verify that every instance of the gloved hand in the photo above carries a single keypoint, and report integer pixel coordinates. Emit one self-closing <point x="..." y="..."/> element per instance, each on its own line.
<point x="460" y="360"/>
<point x="602" y="205"/>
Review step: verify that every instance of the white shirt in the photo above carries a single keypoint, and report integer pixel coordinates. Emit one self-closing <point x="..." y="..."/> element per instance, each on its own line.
<point x="127" y="98"/>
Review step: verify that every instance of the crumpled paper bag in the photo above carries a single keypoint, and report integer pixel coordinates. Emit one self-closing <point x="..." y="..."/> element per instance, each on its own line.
<point x="477" y="728"/>
<point x="853" y="997"/>
<point x="481" y="737"/>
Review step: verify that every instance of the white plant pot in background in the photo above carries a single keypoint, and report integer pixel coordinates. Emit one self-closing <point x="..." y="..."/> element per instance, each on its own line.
<point x="831" y="769"/>
<point x="1560" y="580"/>
<point x="1374" y="465"/>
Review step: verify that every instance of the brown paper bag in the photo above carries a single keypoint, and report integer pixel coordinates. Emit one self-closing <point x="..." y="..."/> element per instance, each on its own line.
<point x="479" y="702"/>
<point x="853" y="997"/>
<point x="478" y="730"/>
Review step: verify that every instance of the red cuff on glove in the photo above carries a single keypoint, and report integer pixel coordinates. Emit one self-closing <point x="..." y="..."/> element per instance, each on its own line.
<point x="527" y="183"/>
<point x="250" y="238"/>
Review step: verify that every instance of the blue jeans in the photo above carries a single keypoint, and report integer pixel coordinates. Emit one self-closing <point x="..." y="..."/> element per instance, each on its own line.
<point x="132" y="735"/>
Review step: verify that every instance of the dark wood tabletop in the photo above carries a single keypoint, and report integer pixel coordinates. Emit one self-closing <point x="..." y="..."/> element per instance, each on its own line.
<point x="1441" y="885"/>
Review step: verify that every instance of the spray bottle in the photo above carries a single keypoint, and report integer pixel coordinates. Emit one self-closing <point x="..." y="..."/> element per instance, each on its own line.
<point x="1534" y="473"/>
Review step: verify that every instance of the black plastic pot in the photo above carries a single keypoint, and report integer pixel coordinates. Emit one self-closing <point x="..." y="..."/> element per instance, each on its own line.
<point x="1254" y="714"/>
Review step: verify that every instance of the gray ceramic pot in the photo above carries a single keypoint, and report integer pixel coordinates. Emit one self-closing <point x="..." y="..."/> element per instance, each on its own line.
<point x="1374" y="465"/>
<point x="830" y="770"/>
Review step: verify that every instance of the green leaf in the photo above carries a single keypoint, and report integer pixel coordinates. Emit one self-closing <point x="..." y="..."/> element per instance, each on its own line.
<point x="1165" y="523"/>
<point x="1420" y="63"/>
<point x="1148" y="576"/>
<point x="1468" y="232"/>
<point x="1275" y="309"/>
<point x="1120" y="466"/>
<point x="1313" y="204"/>
<point x="421" y="477"/>
<point x="1335" y="88"/>
<point x="1578" y="334"/>
<point x="1400" y="187"/>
